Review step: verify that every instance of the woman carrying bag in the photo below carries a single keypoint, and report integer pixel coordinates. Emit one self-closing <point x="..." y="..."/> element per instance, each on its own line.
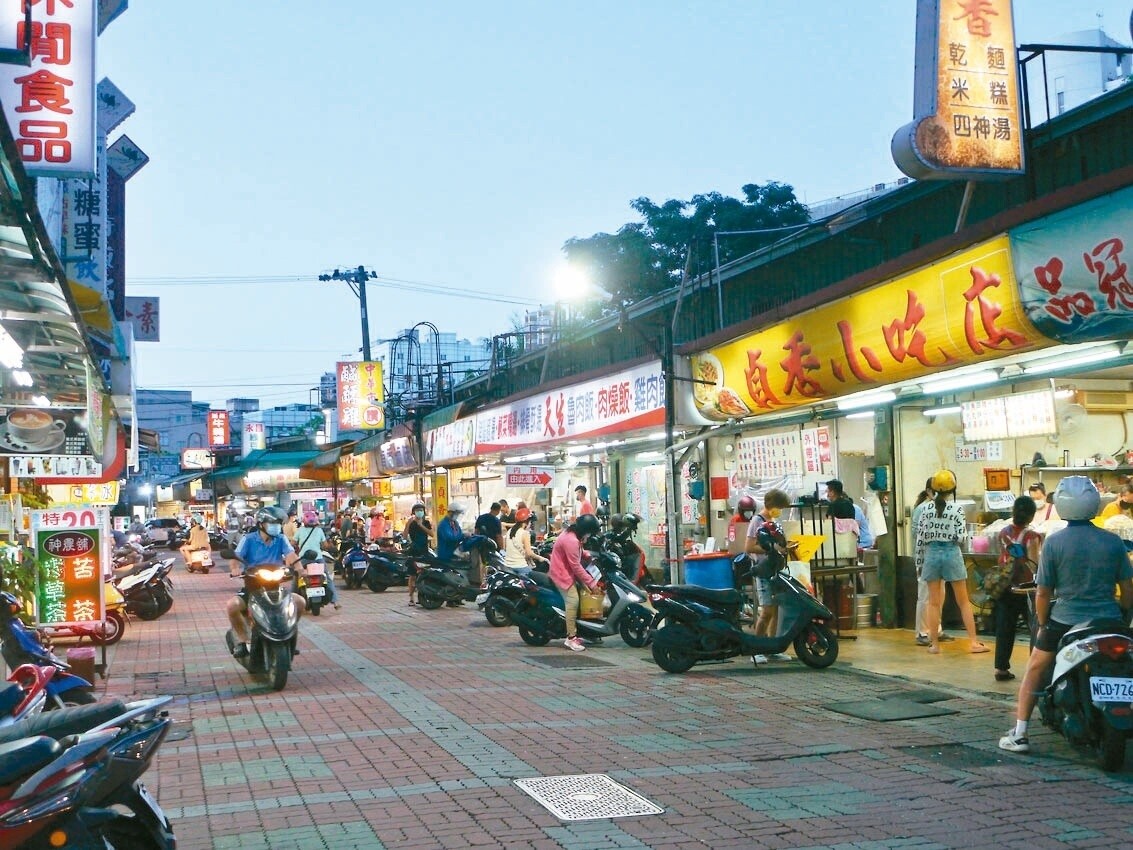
<point x="519" y="555"/>
<point x="1019" y="546"/>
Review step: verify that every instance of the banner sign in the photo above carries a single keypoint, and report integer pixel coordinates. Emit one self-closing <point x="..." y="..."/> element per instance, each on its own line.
<point x="50" y="106"/>
<point x="361" y="397"/>
<point x="397" y="455"/>
<point x="966" y="95"/>
<point x="452" y="441"/>
<point x="528" y="476"/>
<point x="1073" y="270"/>
<point x="196" y="459"/>
<point x="94" y="494"/>
<point x="68" y="550"/>
<point x="964" y="309"/>
<point x="83" y="249"/>
<point x="218" y="427"/>
<point x="624" y="401"/>
<point x="255" y="438"/>
<point x="45" y="431"/>
<point x="354" y="467"/>
<point x="145" y="316"/>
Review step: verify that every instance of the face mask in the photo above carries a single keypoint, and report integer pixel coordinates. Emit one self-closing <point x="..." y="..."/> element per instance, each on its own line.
<point x="273" y="529"/>
<point x="747" y="515"/>
<point x="419" y="514"/>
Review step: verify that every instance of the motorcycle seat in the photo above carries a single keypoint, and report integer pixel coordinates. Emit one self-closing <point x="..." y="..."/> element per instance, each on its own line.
<point x="695" y="591"/>
<point x="1093" y="627"/>
<point x="23" y="758"/>
<point x="11" y="695"/>
<point x="542" y="579"/>
<point x="73" y="720"/>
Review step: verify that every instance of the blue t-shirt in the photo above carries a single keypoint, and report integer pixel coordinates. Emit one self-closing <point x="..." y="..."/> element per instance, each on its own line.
<point x="1081" y="564"/>
<point x="254" y="552"/>
<point x="449" y="536"/>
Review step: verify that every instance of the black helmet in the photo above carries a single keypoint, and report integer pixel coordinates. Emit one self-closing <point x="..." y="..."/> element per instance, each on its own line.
<point x="272" y="514"/>
<point x="622" y="523"/>
<point x="9" y="605"/>
<point x="586" y="524"/>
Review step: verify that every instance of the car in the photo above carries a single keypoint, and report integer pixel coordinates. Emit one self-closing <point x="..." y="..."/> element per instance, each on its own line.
<point x="167" y="530"/>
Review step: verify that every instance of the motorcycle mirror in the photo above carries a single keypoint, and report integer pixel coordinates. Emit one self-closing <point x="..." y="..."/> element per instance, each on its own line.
<point x="227" y="554"/>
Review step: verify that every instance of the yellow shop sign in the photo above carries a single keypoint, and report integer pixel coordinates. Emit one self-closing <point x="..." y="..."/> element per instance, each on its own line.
<point x="963" y="309"/>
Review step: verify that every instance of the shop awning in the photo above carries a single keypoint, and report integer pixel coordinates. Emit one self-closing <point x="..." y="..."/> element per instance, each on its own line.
<point x="265" y="459"/>
<point x="184" y="478"/>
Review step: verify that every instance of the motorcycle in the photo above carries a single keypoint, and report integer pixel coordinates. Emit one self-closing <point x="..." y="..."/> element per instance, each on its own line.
<point x="67" y="782"/>
<point x="25" y="693"/>
<point x="355" y="564"/>
<point x="619" y="540"/>
<point x="146" y="594"/>
<point x="386" y="569"/>
<point x="20" y="646"/>
<point x="541" y="616"/>
<point x="199" y="560"/>
<point x="273" y="623"/>
<point x="1091" y="690"/>
<point x="701" y="624"/>
<point x="500" y="592"/>
<point x="441" y="582"/>
<point x="311" y="583"/>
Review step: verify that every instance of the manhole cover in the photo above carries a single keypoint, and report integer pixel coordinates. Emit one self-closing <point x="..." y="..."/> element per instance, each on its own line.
<point x="959" y="756"/>
<point x="574" y="660"/>
<point x="586" y="796"/>
<point x="884" y="710"/>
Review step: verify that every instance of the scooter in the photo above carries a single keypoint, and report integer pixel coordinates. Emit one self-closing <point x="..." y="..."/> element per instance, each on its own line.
<point x="25" y="693"/>
<point x="541" y="615"/>
<point x="200" y="560"/>
<point x="71" y="783"/>
<point x="146" y="594"/>
<point x="355" y="563"/>
<point x="501" y="590"/>
<point x="386" y="569"/>
<point x="1091" y="690"/>
<point x="106" y="633"/>
<point x="273" y="623"/>
<point x="21" y="646"/>
<point x="441" y="582"/>
<point x="311" y="583"/>
<point x="701" y="624"/>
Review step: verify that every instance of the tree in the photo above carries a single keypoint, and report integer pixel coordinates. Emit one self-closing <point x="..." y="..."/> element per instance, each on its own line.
<point x="649" y="256"/>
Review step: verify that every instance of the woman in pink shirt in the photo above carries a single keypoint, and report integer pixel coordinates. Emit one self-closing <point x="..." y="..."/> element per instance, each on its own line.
<point x="566" y="570"/>
<point x="377" y="523"/>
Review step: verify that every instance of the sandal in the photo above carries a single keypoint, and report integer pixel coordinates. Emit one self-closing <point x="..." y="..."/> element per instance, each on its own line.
<point x="934" y="650"/>
<point x="978" y="648"/>
<point x="1004" y="675"/>
<point x="411" y="602"/>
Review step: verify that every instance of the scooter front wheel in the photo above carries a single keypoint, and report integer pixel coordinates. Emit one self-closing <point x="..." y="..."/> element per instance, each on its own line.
<point x="428" y="601"/>
<point x="497" y="612"/>
<point x="532" y="638"/>
<point x="277" y="660"/>
<point x="816" y="645"/>
<point x="112" y="629"/>
<point x="635" y="632"/>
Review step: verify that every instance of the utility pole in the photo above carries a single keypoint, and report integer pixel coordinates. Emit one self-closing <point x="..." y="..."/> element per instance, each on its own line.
<point x="356" y="280"/>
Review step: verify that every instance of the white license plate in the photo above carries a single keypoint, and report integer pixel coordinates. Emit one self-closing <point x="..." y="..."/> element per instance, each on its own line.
<point x="481" y="598"/>
<point x="316" y="592"/>
<point x="1106" y="689"/>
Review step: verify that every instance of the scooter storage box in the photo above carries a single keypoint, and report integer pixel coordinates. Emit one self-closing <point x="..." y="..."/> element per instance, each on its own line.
<point x="81" y="660"/>
<point x="712" y="569"/>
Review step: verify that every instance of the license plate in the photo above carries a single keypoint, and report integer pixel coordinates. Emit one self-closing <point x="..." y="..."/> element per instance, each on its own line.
<point x="1107" y="689"/>
<point x="316" y="592"/>
<point x="482" y="598"/>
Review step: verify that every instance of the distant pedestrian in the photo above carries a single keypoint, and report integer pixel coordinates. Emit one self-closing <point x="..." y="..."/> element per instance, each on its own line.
<point x="519" y="555"/>
<point x="584" y="506"/>
<point x="922" y="639"/>
<point x="567" y="573"/>
<point x="1019" y="546"/>
<point x="774" y="503"/>
<point x="378" y="523"/>
<point x="420" y="533"/>
<point x="490" y="526"/>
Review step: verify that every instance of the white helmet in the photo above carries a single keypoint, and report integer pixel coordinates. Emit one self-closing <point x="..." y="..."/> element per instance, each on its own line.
<point x="1077" y="498"/>
<point x="455" y="508"/>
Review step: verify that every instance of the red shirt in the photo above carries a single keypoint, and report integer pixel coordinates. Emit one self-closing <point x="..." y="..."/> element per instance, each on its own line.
<point x="566" y="563"/>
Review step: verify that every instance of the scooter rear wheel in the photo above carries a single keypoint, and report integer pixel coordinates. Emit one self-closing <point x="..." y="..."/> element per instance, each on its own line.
<point x="534" y="638"/>
<point x="672" y="651"/>
<point x="817" y="646"/>
<point x="497" y="612"/>
<point x="429" y="601"/>
<point x="113" y="628"/>
<point x="1111" y="749"/>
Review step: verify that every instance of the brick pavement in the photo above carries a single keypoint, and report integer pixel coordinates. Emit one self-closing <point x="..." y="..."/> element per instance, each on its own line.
<point x="405" y="728"/>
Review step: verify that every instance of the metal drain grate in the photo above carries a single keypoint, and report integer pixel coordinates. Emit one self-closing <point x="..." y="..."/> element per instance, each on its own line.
<point x="586" y="796"/>
<point x="567" y="661"/>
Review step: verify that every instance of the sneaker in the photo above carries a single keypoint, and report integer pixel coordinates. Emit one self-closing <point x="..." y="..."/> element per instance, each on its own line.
<point x="574" y="645"/>
<point x="1014" y="744"/>
<point x="944" y="637"/>
<point x="240" y="650"/>
<point x="779" y="656"/>
<point x="758" y="659"/>
<point x="922" y="640"/>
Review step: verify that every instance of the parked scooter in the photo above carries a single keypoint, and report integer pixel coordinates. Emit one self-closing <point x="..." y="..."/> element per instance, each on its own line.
<point x="106" y="633"/>
<point x="502" y="589"/>
<point x="66" y="782"/>
<point x="619" y="540"/>
<point x="273" y="623"/>
<point x="147" y="593"/>
<point x="20" y="645"/>
<point x="1091" y="689"/>
<point x="25" y="693"/>
<point x="704" y="625"/>
<point x="541" y="615"/>
<point x="441" y="582"/>
<point x="200" y="560"/>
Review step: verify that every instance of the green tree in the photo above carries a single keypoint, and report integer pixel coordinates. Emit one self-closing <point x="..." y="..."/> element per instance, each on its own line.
<point x="649" y="256"/>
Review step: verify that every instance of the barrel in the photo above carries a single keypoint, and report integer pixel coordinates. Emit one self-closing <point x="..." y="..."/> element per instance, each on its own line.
<point x="864" y="610"/>
<point x="711" y="569"/>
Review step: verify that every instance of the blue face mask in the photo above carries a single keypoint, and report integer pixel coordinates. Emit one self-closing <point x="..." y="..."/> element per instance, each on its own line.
<point x="273" y="529"/>
<point x="419" y="514"/>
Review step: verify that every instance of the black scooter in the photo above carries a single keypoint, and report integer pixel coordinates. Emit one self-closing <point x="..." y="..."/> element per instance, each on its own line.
<point x="273" y="622"/>
<point x="501" y="591"/>
<point x="701" y="624"/>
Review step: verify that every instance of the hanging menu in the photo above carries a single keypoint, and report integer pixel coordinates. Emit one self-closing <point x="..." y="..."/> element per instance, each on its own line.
<point x="770" y="456"/>
<point x="1006" y="417"/>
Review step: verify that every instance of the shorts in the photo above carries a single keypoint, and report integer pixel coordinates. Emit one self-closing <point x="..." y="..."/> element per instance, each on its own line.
<point x="1050" y="634"/>
<point x="943" y="561"/>
<point x="764" y="592"/>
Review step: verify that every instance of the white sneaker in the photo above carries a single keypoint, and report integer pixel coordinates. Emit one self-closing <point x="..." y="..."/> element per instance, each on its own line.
<point x="574" y="645"/>
<point x="779" y="656"/>
<point x="1014" y="743"/>
<point x="758" y="659"/>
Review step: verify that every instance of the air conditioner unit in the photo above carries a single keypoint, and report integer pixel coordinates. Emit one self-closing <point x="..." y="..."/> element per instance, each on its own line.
<point x="1105" y="401"/>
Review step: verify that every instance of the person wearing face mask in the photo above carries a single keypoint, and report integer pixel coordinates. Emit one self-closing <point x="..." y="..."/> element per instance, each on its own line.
<point x="420" y="533"/>
<point x="1045" y="511"/>
<point x="266" y="546"/>
<point x="567" y="572"/>
<point x="774" y="502"/>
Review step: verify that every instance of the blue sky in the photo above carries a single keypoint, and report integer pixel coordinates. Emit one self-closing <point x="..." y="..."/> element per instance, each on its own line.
<point x="460" y="145"/>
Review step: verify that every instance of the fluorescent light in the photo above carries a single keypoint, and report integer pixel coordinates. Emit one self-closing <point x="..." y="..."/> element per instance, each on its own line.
<point x="853" y="402"/>
<point x="863" y="414"/>
<point x="1064" y="393"/>
<point x="11" y="355"/>
<point x="959" y="382"/>
<point x="1053" y="364"/>
<point x="648" y="455"/>
<point x="942" y="411"/>
<point x="41" y="400"/>
<point x="22" y="378"/>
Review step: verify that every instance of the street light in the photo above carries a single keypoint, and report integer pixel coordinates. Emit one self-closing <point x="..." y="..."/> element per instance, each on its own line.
<point x="356" y="280"/>
<point x="147" y="491"/>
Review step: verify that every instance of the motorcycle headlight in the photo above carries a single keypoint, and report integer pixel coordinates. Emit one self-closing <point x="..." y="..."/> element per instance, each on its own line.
<point x="272" y="574"/>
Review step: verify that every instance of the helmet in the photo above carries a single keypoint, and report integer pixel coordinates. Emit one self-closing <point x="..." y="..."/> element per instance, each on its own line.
<point x="417" y="506"/>
<point x="944" y="481"/>
<point x="745" y="507"/>
<point x="272" y="514"/>
<point x="9" y="605"/>
<point x="587" y="524"/>
<point x="1076" y="498"/>
<point x="455" y="508"/>
<point x="522" y="515"/>
<point x="310" y="519"/>
<point x="621" y="523"/>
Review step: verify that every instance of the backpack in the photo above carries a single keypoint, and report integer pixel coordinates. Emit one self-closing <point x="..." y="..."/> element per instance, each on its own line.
<point x="1014" y="567"/>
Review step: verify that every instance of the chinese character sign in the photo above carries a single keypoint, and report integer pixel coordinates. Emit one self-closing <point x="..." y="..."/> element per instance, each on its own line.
<point x="962" y="309"/>
<point x="218" y="427"/>
<point x="83" y="251"/>
<point x="255" y="438"/>
<point x="452" y="441"/>
<point x="68" y="546"/>
<point x="1073" y="270"/>
<point x="145" y="315"/>
<point x="361" y="397"/>
<point x="50" y="105"/>
<point x="967" y="105"/>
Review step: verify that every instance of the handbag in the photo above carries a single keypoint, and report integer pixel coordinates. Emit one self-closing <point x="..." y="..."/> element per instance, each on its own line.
<point x="1014" y="568"/>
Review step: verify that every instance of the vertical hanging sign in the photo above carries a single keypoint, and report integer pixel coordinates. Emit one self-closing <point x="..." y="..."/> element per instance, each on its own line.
<point x="68" y="546"/>
<point x="218" y="427"/>
<point x="360" y="396"/>
<point x="966" y="94"/>
<point x="50" y="105"/>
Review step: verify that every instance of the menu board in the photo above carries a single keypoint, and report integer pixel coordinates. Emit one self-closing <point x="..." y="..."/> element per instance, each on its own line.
<point x="1006" y="417"/>
<point x="770" y="456"/>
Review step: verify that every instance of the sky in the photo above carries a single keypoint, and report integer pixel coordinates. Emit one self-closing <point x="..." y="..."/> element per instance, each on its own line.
<point x="453" y="147"/>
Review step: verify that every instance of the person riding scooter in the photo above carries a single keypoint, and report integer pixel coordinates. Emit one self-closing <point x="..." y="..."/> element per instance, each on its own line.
<point x="266" y="546"/>
<point x="309" y="542"/>
<point x="198" y="539"/>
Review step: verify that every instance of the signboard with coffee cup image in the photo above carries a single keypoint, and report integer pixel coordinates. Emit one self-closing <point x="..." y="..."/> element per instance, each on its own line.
<point x="44" y="431"/>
